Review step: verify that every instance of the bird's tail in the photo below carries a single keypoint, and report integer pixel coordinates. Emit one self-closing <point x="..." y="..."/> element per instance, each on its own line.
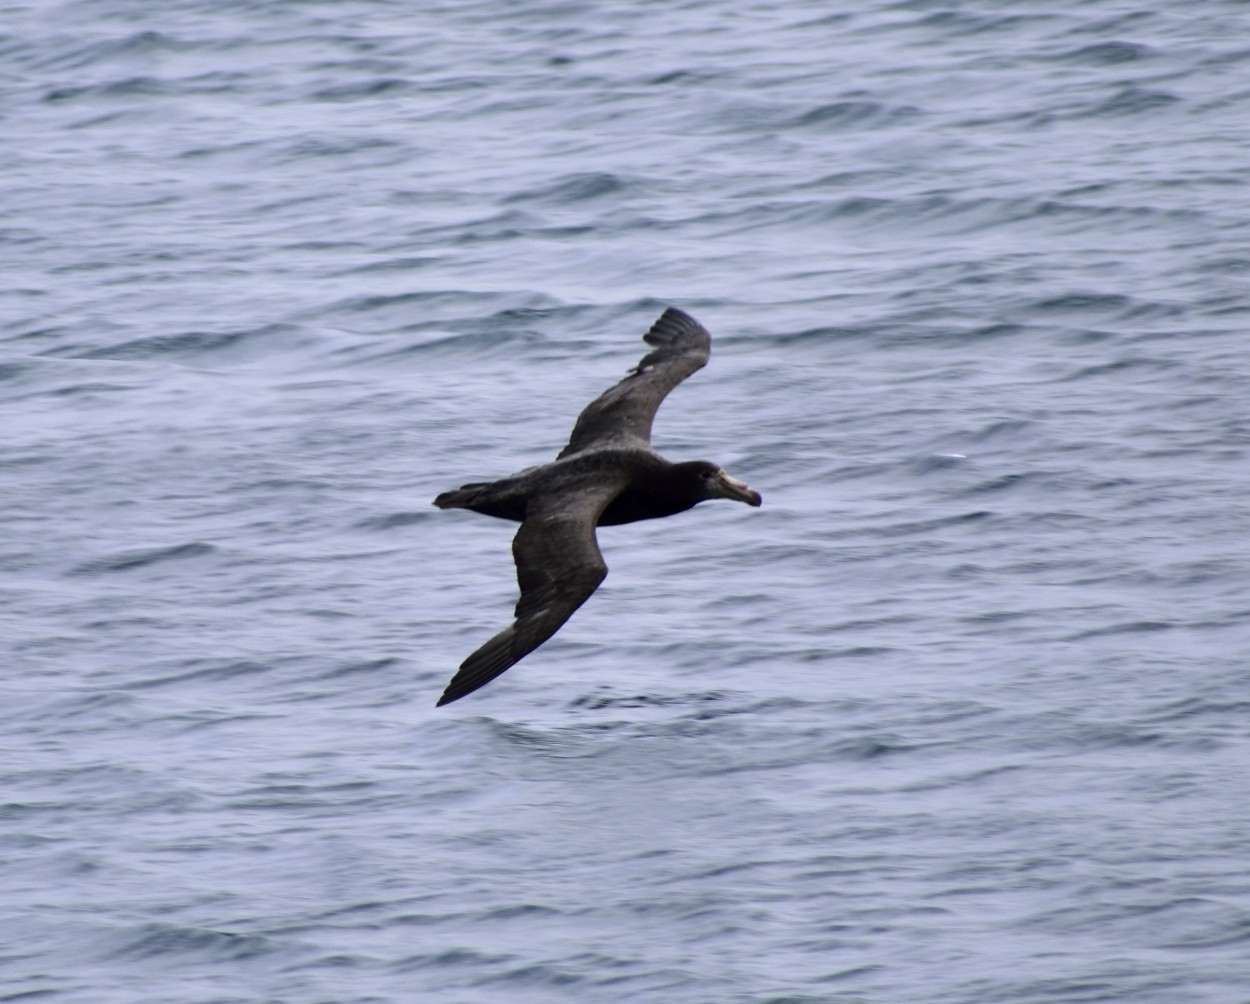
<point x="462" y="497"/>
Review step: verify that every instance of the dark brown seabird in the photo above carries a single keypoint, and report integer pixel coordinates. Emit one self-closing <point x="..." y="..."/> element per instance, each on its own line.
<point x="608" y="474"/>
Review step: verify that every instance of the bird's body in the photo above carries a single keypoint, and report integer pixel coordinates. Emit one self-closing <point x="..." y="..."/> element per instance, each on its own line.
<point x="648" y="492"/>
<point x="607" y="475"/>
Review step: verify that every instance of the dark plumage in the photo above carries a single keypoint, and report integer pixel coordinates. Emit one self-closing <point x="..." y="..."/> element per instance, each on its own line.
<point x="608" y="474"/>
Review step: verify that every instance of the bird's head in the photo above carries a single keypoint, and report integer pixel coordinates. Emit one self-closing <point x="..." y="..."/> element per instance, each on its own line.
<point x="712" y="482"/>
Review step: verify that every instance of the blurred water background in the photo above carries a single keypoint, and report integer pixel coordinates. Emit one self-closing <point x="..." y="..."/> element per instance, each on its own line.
<point x="959" y="716"/>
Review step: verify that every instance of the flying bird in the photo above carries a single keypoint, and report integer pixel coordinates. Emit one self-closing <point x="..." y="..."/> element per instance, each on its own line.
<point x="607" y="474"/>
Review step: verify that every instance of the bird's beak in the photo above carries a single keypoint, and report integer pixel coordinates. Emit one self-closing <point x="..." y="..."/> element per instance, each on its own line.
<point x="739" y="491"/>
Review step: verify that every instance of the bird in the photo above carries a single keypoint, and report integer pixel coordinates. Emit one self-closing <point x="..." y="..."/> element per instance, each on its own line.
<point x="608" y="474"/>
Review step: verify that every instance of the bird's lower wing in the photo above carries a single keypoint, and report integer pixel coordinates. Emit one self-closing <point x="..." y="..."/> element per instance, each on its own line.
<point x="558" y="566"/>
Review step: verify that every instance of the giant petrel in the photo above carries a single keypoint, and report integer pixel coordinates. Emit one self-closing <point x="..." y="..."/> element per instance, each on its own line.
<point x="608" y="474"/>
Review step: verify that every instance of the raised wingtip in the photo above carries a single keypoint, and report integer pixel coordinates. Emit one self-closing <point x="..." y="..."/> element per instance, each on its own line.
<point x="675" y="334"/>
<point x="672" y="326"/>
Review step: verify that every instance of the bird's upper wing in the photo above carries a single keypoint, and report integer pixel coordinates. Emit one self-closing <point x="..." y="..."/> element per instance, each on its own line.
<point x="558" y="566"/>
<point x="624" y="413"/>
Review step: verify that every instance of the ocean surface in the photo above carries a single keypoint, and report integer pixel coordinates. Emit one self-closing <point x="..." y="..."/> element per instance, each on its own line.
<point x="959" y="716"/>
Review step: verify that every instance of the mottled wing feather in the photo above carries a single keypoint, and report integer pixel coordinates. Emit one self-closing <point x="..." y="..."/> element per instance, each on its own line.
<point x="625" y="412"/>
<point x="558" y="567"/>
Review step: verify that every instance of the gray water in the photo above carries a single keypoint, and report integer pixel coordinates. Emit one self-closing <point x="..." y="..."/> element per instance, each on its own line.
<point x="960" y="715"/>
